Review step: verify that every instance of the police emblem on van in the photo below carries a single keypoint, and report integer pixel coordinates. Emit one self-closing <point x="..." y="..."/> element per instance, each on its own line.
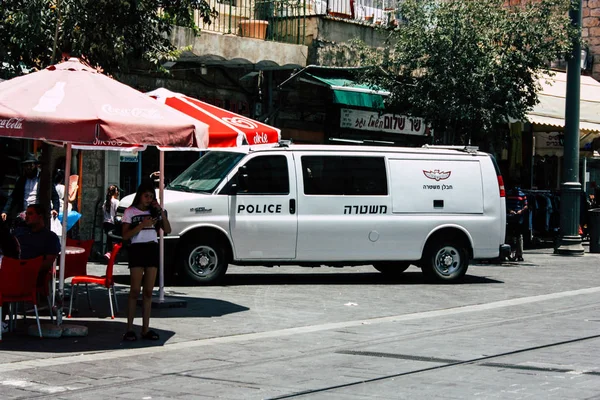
<point x="437" y="175"/>
<point x="198" y="210"/>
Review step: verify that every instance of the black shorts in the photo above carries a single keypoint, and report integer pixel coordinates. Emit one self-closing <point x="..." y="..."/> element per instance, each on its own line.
<point x="143" y="255"/>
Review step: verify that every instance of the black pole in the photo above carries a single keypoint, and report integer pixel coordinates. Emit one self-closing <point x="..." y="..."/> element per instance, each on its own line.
<point x="569" y="242"/>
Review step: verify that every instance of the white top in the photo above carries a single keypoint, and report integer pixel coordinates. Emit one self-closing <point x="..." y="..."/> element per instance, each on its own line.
<point x="60" y="189"/>
<point x="109" y="216"/>
<point x="134" y="216"/>
<point x="30" y="191"/>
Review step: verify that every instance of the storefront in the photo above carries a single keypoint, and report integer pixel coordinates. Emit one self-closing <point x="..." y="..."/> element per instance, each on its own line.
<point x="328" y="105"/>
<point x="534" y="150"/>
<point x="546" y="130"/>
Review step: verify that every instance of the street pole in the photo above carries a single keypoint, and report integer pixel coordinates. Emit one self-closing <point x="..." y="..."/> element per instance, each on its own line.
<point x="569" y="242"/>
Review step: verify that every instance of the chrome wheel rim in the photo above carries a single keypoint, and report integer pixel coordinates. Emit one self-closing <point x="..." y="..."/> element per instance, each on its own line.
<point x="447" y="260"/>
<point x="203" y="261"/>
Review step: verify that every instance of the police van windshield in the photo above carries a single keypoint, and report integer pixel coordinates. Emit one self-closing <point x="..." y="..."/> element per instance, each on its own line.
<point x="204" y="175"/>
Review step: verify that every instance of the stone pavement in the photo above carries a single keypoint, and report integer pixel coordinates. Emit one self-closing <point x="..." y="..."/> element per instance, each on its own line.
<point x="515" y="330"/>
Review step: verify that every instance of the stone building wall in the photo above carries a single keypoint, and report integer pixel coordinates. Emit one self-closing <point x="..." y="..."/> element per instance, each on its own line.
<point x="590" y="31"/>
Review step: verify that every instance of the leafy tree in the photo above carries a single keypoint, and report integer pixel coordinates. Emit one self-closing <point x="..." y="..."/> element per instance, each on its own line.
<point x="115" y="34"/>
<point x="466" y="66"/>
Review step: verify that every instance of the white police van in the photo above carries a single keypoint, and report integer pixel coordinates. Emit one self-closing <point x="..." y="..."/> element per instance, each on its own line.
<point x="434" y="207"/>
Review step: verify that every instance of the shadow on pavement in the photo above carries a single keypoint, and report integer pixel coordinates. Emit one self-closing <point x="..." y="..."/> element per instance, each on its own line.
<point x="195" y="307"/>
<point x="376" y="278"/>
<point x="102" y="335"/>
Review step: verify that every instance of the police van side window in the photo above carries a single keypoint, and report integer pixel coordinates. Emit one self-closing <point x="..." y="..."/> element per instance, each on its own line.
<point x="267" y="175"/>
<point x="344" y="175"/>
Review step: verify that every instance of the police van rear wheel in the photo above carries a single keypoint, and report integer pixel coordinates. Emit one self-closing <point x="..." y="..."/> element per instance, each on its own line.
<point x="445" y="262"/>
<point x="204" y="262"/>
<point x="392" y="268"/>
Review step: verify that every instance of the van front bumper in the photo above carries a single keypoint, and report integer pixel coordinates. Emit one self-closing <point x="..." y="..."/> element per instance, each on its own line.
<point x="504" y="250"/>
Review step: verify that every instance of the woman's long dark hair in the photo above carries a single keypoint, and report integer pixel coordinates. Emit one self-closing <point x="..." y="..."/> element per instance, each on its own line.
<point x="147" y="185"/>
<point x="110" y="192"/>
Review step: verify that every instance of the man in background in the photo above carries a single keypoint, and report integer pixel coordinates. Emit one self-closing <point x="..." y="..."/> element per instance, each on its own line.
<point x="26" y="191"/>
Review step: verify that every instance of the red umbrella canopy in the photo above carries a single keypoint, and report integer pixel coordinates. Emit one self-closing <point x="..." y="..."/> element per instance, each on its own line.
<point x="226" y="129"/>
<point x="72" y="102"/>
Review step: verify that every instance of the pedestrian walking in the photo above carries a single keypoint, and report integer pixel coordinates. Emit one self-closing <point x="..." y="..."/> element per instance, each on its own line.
<point x="141" y="222"/>
<point x="109" y="209"/>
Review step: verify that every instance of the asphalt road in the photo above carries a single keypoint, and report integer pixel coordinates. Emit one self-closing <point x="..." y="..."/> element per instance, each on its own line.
<point x="527" y="330"/>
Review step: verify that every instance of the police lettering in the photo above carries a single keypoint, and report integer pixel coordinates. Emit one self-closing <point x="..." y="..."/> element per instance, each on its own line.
<point x="259" y="208"/>
<point x="367" y="209"/>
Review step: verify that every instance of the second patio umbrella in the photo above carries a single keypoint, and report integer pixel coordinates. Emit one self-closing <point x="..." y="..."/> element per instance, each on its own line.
<point x="225" y="128"/>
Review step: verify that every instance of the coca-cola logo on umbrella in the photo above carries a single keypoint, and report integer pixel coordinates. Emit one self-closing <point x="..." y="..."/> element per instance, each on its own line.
<point x="136" y="112"/>
<point x="261" y="138"/>
<point x="243" y="123"/>
<point x="11" y="123"/>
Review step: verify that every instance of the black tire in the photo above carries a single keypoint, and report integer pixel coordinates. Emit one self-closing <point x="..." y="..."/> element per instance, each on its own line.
<point x="204" y="261"/>
<point x="445" y="261"/>
<point x="392" y="268"/>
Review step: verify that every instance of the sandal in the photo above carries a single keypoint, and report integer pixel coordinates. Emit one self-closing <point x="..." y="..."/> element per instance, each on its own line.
<point x="150" y="335"/>
<point x="130" y="336"/>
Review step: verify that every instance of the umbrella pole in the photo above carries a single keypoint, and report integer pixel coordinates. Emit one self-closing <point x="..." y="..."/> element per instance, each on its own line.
<point x="161" y="194"/>
<point x="63" y="241"/>
<point x="162" y="302"/>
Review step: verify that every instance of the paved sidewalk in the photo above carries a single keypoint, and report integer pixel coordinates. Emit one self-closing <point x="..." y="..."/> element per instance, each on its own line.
<point x="176" y="325"/>
<point x="269" y="332"/>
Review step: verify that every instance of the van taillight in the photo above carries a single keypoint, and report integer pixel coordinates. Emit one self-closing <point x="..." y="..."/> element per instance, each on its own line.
<point x="501" y="186"/>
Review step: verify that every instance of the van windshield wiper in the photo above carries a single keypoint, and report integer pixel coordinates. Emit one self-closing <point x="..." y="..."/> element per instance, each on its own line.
<point x="181" y="188"/>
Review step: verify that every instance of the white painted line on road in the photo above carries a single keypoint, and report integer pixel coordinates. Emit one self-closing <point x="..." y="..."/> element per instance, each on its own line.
<point x="111" y="355"/>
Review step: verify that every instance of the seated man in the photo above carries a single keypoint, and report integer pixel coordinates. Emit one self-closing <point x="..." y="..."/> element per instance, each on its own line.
<point x="36" y="240"/>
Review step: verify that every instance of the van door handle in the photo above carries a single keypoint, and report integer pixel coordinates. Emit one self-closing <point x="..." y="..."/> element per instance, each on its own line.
<point x="292" y="206"/>
<point x="438" y="204"/>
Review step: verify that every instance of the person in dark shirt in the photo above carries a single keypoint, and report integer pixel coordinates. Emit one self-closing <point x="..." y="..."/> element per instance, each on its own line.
<point x="36" y="240"/>
<point x="26" y="191"/>
<point x="516" y="207"/>
<point x="32" y="240"/>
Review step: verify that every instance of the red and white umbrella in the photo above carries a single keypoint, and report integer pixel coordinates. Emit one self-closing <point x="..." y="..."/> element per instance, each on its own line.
<point x="225" y="128"/>
<point x="75" y="105"/>
<point x="72" y="102"/>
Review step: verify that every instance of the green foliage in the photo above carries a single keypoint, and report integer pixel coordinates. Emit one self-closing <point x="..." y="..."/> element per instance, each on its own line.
<point x="466" y="66"/>
<point x="115" y="34"/>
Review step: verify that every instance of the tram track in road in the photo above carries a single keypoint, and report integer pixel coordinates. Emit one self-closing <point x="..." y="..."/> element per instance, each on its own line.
<point x="447" y="364"/>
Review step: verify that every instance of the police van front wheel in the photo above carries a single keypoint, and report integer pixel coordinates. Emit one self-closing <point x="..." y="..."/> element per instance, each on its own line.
<point x="445" y="262"/>
<point x="204" y="262"/>
<point x="392" y="268"/>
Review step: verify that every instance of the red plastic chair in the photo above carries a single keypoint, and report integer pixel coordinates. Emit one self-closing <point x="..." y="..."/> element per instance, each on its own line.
<point x="76" y="264"/>
<point x="18" y="282"/>
<point x="107" y="281"/>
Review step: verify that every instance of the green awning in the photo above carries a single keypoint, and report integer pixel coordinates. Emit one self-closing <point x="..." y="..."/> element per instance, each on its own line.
<point x="350" y="93"/>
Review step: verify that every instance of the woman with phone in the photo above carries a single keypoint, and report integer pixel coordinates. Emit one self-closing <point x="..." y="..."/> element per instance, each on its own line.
<point x="141" y="223"/>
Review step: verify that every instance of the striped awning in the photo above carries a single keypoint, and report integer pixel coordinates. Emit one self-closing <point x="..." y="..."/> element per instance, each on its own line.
<point x="551" y="108"/>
